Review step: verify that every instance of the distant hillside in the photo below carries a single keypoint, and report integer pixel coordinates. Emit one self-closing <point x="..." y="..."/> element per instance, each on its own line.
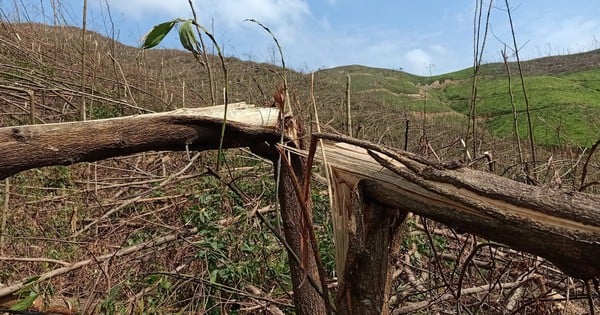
<point x="564" y="91"/>
<point x="563" y="94"/>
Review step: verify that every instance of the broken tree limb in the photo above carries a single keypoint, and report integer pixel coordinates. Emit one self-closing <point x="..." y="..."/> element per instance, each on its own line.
<point x="561" y="226"/>
<point x="32" y="146"/>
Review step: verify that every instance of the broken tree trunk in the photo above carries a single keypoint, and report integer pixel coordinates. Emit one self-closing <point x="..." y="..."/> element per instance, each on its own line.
<point x="309" y="296"/>
<point x="374" y="191"/>
<point x="561" y="226"/>
<point x="373" y="234"/>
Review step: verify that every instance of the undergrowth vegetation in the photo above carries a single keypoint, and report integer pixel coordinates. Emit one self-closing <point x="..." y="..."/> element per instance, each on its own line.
<point x="164" y="232"/>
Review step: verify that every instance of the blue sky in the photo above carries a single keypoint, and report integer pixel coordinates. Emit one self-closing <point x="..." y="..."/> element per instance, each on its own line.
<point x="421" y="37"/>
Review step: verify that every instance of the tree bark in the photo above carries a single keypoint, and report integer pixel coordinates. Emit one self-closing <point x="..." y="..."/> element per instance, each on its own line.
<point x="307" y="298"/>
<point x="561" y="226"/>
<point x="32" y="146"/>
<point x="310" y="291"/>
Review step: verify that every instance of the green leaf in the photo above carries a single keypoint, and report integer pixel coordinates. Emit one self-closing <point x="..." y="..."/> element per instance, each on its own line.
<point x="29" y="283"/>
<point x="25" y="303"/>
<point x="187" y="36"/>
<point x="213" y="275"/>
<point x="158" y="33"/>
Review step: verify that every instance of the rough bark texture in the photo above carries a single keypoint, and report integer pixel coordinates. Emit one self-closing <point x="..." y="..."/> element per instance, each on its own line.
<point x="374" y="245"/>
<point x="561" y="226"/>
<point x="32" y="146"/>
<point x="309" y="287"/>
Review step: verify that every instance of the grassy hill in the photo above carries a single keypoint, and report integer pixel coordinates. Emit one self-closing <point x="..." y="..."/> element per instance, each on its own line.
<point x="563" y="94"/>
<point x="563" y="90"/>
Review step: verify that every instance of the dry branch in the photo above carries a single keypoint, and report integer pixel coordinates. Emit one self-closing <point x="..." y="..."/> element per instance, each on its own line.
<point x="417" y="306"/>
<point x="372" y="194"/>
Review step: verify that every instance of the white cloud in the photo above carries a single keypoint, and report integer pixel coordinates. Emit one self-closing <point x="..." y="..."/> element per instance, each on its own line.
<point x="418" y="61"/>
<point x="545" y="33"/>
<point x="419" y="55"/>
<point x="439" y="49"/>
<point x="287" y="19"/>
<point x="282" y="16"/>
<point x="276" y="13"/>
<point x="308" y="40"/>
<point x="140" y="8"/>
<point x="573" y="35"/>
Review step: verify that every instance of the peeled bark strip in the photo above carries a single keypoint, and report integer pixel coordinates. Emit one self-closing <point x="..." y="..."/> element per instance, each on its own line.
<point x="32" y="146"/>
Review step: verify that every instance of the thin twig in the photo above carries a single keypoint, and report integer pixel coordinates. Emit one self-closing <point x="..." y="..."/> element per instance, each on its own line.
<point x="514" y="107"/>
<point x="527" y="108"/>
<point x="139" y="196"/>
<point x="211" y="83"/>
<point x="35" y="259"/>
<point x="582" y="186"/>
<point x="4" y="213"/>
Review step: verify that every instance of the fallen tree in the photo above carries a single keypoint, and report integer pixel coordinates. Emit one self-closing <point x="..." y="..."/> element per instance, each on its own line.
<point x="374" y="188"/>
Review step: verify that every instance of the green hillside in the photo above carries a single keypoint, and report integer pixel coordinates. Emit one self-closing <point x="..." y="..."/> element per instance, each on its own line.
<point x="563" y="94"/>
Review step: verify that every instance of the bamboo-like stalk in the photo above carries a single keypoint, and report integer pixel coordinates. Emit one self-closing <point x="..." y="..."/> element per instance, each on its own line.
<point x="348" y="110"/>
<point x="82" y="108"/>
<point x="478" y="47"/>
<point x="527" y="109"/>
<point x="514" y="108"/>
<point x="211" y="83"/>
<point x="31" y="106"/>
<point x="4" y="214"/>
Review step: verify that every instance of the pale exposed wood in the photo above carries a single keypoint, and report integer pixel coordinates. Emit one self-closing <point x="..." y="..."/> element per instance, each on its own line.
<point x="563" y="227"/>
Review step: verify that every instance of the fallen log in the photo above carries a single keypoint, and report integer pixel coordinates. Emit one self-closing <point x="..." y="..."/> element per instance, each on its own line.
<point x="374" y="187"/>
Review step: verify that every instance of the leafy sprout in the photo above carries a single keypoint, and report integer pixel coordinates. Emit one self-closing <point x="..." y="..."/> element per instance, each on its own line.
<point x="158" y="33"/>
<point x="188" y="40"/>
